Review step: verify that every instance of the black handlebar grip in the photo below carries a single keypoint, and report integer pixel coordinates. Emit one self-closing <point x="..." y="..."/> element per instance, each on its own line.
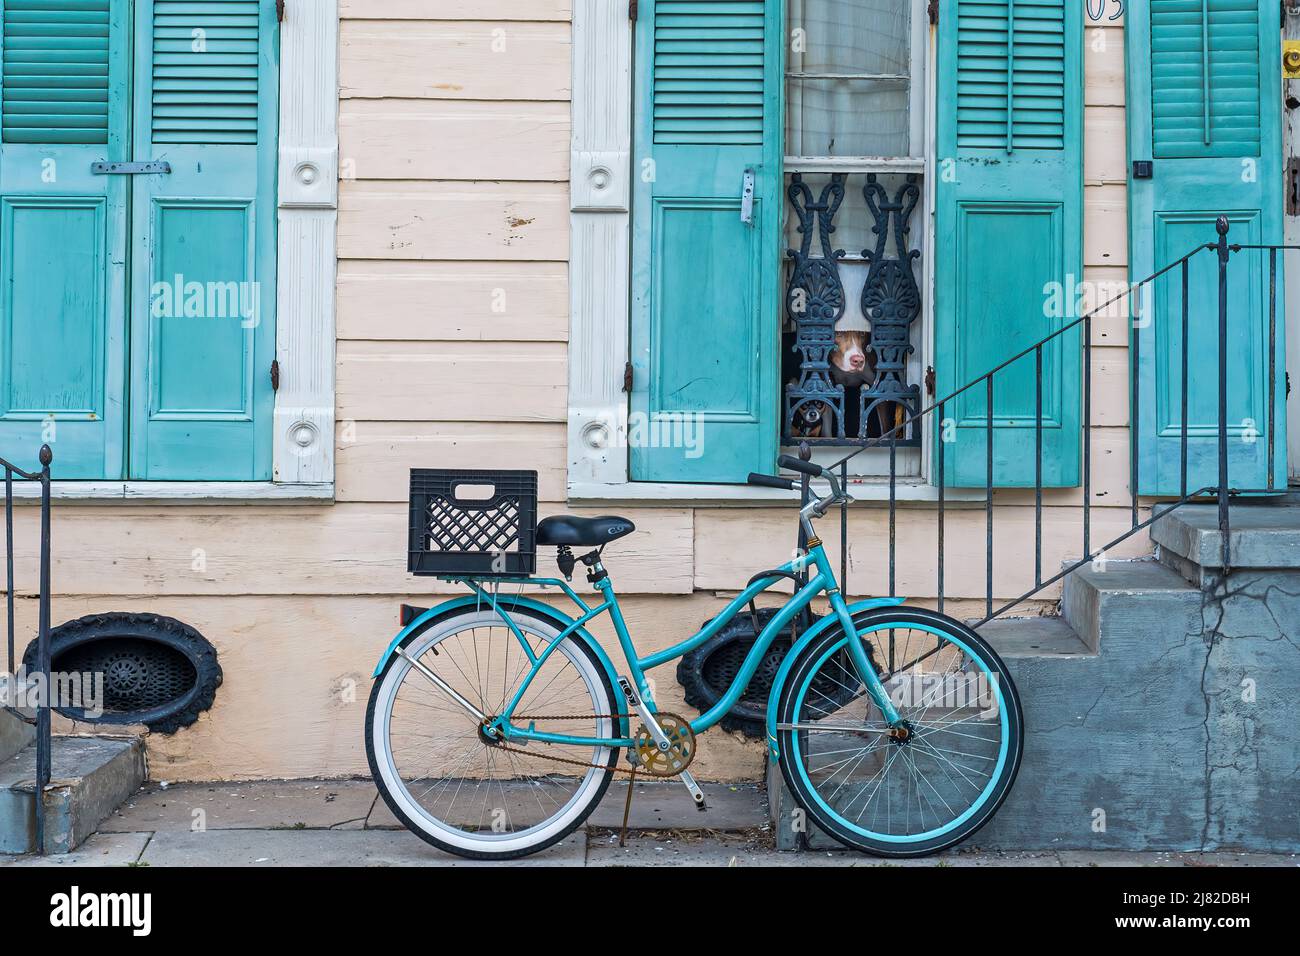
<point x="771" y="481"/>
<point x="796" y="464"/>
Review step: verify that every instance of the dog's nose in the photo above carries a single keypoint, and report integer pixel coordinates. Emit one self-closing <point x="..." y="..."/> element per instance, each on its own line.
<point x="858" y="361"/>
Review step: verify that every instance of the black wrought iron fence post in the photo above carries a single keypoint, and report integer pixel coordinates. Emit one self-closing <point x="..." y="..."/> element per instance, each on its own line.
<point x="39" y="683"/>
<point x="1221" y="226"/>
<point x="43" y="743"/>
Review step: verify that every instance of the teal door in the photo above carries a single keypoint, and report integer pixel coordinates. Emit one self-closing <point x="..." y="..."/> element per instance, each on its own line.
<point x="138" y="311"/>
<point x="1009" y="210"/>
<point x="1205" y="108"/>
<point x="64" y="104"/>
<point x="203" y="256"/>
<point x="706" y="258"/>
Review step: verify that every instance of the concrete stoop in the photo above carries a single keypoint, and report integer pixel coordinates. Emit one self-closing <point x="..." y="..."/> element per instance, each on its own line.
<point x="90" y="778"/>
<point x="1161" y="709"/>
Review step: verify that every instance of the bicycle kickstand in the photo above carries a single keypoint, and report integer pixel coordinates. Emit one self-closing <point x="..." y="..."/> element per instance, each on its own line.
<point x="627" y="807"/>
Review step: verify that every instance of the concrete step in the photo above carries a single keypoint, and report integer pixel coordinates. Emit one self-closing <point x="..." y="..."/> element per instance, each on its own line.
<point x="1115" y="597"/>
<point x="1263" y="533"/>
<point x="1046" y="637"/>
<point x="15" y="734"/>
<point x="90" y="777"/>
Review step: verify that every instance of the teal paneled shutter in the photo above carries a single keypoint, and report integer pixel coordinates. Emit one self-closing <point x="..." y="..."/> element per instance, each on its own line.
<point x="705" y="318"/>
<point x="1204" y="105"/>
<point x="1009" y="206"/>
<point x="63" y="105"/>
<point x="203" y="268"/>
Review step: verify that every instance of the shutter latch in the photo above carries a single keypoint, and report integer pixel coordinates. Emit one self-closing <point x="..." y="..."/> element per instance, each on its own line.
<point x="130" y="169"/>
<point x="747" y="197"/>
<point x="275" y="375"/>
<point x="627" y="378"/>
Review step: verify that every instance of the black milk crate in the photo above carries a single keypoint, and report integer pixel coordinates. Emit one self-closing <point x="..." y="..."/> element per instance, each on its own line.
<point x="466" y="521"/>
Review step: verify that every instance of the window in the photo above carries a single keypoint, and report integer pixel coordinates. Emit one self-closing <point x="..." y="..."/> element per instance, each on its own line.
<point x="855" y="224"/>
<point x="712" y="315"/>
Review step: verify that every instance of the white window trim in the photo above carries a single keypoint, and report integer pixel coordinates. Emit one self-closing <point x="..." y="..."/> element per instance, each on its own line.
<point x="307" y="197"/>
<point x="303" y="447"/>
<point x="600" y="266"/>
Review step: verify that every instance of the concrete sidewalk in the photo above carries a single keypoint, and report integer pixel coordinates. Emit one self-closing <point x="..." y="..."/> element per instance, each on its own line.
<point x="344" y="823"/>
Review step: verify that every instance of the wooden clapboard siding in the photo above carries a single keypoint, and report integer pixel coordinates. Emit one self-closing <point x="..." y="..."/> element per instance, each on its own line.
<point x="1105" y="252"/>
<point x="455" y="9"/>
<point x="1104" y="221"/>
<point x="454" y="59"/>
<point x="454" y="139"/>
<point x="372" y="459"/>
<point x="765" y="538"/>
<point x="1103" y="65"/>
<point x="453" y="220"/>
<point x="295" y="549"/>
<point x="486" y="301"/>
<point x="452" y="381"/>
<point x="1105" y="159"/>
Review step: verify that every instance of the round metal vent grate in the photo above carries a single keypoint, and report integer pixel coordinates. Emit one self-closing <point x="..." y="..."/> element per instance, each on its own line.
<point x="155" y="670"/>
<point x="138" y="674"/>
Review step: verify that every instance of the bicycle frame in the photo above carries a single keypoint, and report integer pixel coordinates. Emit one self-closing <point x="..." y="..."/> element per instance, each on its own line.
<point x="822" y="580"/>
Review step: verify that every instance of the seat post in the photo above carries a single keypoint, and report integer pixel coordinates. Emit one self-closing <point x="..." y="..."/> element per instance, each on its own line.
<point x="595" y="570"/>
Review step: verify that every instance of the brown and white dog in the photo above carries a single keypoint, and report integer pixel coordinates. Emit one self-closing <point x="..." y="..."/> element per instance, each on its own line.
<point x="853" y="365"/>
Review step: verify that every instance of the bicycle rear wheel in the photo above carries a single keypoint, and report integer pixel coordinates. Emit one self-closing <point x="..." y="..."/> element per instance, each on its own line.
<point x="462" y="791"/>
<point x="910" y="792"/>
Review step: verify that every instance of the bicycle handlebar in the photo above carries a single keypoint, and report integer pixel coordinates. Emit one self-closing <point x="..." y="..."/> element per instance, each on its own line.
<point x="799" y="465"/>
<point x="771" y="481"/>
<point x="818" y="506"/>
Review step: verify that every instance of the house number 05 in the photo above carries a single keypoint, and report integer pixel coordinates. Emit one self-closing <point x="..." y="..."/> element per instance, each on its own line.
<point x="1097" y="9"/>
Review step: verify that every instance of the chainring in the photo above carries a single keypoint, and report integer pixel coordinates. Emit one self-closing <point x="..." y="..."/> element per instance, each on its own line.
<point x="665" y="763"/>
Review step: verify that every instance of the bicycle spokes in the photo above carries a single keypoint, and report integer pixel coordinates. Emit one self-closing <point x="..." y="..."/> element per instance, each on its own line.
<point x="921" y="774"/>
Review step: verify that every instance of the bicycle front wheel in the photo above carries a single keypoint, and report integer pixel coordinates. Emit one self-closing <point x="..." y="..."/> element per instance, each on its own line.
<point x="910" y="790"/>
<point x="463" y="791"/>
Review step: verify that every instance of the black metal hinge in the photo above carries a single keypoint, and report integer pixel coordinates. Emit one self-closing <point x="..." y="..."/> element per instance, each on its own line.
<point x="631" y="10"/>
<point x="627" y="378"/>
<point x="279" y="11"/>
<point x="933" y="10"/>
<point x="929" y="379"/>
<point x="275" y="375"/>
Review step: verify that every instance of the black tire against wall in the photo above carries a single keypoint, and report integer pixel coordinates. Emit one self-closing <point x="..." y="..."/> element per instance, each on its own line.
<point x="172" y="634"/>
<point x="749" y="715"/>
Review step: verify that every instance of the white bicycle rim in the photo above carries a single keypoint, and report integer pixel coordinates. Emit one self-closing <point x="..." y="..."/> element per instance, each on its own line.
<point x="484" y="841"/>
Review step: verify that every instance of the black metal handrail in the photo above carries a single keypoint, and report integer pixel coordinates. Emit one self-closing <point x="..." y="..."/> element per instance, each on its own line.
<point x="1223" y="250"/>
<point x="42" y="718"/>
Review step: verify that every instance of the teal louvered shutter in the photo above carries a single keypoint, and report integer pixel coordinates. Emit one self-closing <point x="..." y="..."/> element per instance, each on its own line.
<point x="203" y="271"/>
<point x="1205" y="78"/>
<point x="63" y="106"/>
<point x="1204" y="107"/>
<point x="1009" y="207"/>
<point x="706" y="260"/>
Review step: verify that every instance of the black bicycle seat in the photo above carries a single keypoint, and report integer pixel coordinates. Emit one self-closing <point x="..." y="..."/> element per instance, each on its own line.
<point x="582" y="532"/>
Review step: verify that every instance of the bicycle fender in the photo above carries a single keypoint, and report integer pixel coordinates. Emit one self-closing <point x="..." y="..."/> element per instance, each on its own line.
<point x="806" y="638"/>
<point x="508" y="603"/>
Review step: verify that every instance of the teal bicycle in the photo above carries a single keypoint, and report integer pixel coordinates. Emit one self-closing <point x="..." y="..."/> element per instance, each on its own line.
<point x="496" y="721"/>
